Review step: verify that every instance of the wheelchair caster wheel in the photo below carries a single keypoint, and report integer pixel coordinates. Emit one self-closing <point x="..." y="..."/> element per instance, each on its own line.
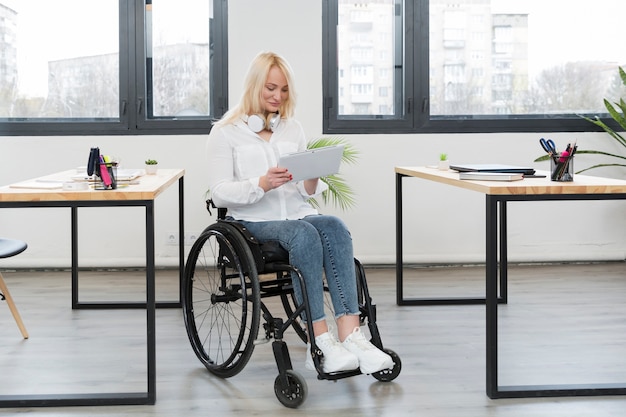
<point x="290" y="389"/>
<point x="387" y="375"/>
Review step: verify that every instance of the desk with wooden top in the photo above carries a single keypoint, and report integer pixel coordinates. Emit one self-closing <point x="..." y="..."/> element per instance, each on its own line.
<point x="140" y="194"/>
<point x="497" y="194"/>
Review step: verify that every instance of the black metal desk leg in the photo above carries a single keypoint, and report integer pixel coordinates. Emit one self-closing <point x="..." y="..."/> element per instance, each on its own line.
<point x="492" y="294"/>
<point x="400" y="300"/>
<point x="399" y="248"/>
<point x="150" y="302"/>
<point x="504" y="263"/>
<point x="74" y="239"/>
<point x="181" y="237"/>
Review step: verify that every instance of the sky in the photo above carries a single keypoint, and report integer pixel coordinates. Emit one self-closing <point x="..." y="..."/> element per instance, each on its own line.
<point x="62" y="35"/>
<point x="597" y="32"/>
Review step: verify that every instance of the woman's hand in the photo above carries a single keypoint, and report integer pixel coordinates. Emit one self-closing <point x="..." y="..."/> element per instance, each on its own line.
<point x="274" y="178"/>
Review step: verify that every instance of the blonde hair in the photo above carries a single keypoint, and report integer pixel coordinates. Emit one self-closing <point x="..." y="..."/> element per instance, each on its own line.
<point x="256" y="77"/>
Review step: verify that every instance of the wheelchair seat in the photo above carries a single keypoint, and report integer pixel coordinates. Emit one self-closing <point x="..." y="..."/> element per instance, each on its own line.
<point x="223" y="304"/>
<point x="266" y="254"/>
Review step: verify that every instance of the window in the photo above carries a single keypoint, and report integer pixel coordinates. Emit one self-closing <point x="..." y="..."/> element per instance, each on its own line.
<point x="469" y="65"/>
<point x="365" y="79"/>
<point x="131" y="70"/>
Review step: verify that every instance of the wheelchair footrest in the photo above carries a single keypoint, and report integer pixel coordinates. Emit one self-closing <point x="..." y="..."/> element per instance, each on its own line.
<point x="338" y="375"/>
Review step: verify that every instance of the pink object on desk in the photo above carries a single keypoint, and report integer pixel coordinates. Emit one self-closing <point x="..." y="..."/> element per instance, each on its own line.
<point x="104" y="173"/>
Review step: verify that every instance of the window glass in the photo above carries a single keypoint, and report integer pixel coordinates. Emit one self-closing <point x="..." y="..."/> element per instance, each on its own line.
<point x="486" y="65"/>
<point x="178" y="56"/>
<point x="59" y="59"/>
<point x="367" y="35"/>
<point x="531" y="57"/>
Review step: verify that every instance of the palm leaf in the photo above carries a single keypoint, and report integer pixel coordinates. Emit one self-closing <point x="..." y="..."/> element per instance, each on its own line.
<point x="547" y="158"/>
<point x="350" y="154"/>
<point x="615" y="114"/>
<point x="339" y="193"/>
<point x="600" y="166"/>
<point x="598" y="122"/>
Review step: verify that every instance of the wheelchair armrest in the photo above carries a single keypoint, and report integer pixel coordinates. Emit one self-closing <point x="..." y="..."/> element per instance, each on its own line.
<point x="221" y="211"/>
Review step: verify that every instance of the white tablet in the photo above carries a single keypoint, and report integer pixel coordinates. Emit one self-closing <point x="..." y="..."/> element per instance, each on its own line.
<point x="313" y="163"/>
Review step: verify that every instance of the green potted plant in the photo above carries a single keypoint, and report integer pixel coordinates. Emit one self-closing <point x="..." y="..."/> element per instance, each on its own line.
<point x="151" y="166"/>
<point x="444" y="164"/>
<point x="617" y="111"/>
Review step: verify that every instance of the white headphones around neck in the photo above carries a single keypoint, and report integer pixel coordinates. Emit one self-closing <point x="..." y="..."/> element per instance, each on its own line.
<point x="256" y="122"/>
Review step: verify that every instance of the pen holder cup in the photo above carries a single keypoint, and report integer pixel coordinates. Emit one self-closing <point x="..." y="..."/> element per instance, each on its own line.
<point x="562" y="168"/>
<point x="107" y="180"/>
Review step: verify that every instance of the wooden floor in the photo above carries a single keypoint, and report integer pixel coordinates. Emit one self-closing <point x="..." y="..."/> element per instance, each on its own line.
<point x="563" y="324"/>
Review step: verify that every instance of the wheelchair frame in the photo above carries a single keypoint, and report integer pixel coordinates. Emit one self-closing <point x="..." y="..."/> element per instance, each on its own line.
<point x="223" y="303"/>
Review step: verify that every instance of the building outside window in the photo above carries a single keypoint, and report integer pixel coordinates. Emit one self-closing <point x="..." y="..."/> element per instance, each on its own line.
<point x="485" y="64"/>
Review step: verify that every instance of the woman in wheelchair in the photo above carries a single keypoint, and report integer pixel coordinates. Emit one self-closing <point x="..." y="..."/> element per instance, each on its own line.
<point x="243" y="151"/>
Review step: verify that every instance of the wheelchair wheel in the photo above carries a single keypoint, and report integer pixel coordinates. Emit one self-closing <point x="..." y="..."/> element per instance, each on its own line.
<point x="387" y="375"/>
<point x="290" y="389"/>
<point x="221" y="300"/>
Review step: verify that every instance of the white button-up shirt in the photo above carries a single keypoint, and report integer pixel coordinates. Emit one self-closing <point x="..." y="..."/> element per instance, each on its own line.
<point x="238" y="157"/>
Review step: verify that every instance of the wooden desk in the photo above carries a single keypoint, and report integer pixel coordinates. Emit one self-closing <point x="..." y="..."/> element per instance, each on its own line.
<point x="497" y="195"/>
<point x="142" y="194"/>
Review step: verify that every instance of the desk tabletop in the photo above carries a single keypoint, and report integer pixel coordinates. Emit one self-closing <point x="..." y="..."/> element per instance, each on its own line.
<point x="582" y="184"/>
<point x="145" y="187"/>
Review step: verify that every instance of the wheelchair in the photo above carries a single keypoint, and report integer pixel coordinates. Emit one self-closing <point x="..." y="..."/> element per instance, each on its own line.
<point x="225" y="285"/>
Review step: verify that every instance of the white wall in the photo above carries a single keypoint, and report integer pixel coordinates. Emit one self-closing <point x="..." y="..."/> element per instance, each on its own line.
<point x="442" y="224"/>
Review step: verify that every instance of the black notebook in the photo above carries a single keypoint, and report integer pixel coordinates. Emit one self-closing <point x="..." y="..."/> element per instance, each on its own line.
<point x="493" y="168"/>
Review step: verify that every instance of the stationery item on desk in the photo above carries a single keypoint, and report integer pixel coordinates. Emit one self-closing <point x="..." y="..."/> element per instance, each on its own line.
<point x="549" y="146"/>
<point x="490" y="176"/>
<point x="562" y="166"/>
<point x="127" y="174"/>
<point x="52" y="180"/>
<point x="104" y="173"/>
<point x="514" y="169"/>
<point x="93" y="161"/>
<point x="103" y="167"/>
<point x="75" y="186"/>
<point x="563" y="169"/>
<point x="36" y="184"/>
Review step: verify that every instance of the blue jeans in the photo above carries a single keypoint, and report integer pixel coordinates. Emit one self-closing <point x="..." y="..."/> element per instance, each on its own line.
<point x="316" y="244"/>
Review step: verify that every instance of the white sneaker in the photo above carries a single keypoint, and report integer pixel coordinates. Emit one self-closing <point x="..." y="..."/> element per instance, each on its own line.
<point x="371" y="359"/>
<point x="336" y="357"/>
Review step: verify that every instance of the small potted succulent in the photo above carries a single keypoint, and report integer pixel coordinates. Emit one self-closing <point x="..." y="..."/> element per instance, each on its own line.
<point x="151" y="166"/>
<point x="444" y="164"/>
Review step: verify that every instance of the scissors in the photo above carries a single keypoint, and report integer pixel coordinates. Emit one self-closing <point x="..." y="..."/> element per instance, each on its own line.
<point x="548" y="146"/>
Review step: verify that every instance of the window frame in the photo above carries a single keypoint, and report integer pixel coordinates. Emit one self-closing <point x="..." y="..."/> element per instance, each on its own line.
<point x="415" y="94"/>
<point x="133" y="89"/>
